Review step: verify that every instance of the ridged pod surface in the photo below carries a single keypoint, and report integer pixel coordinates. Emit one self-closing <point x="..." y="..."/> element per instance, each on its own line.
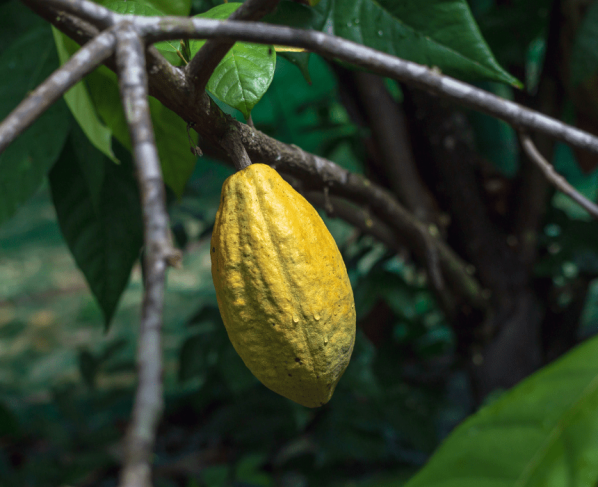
<point x="282" y="287"/>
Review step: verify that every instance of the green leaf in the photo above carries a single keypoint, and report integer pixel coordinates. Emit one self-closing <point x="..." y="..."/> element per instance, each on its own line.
<point x="249" y="470"/>
<point x="15" y="20"/>
<point x="299" y="59"/>
<point x="167" y="48"/>
<point x="23" y="165"/>
<point x="80" y="104"/>
<point x="534" y="63"/>
<point x="299" y="16"/>
<point x="541" y="433"/>
<point x="100" y="218"/>
<point x="176" y="159"/>
<point x="441" y="33"/>
<point x="245" y="73"/>
<point x="525" y="21"/>
<point x="93" y="172"/>
<point x="584" y="56"/>
<point x="496" y="140"/>
<point x="103" y="89"/>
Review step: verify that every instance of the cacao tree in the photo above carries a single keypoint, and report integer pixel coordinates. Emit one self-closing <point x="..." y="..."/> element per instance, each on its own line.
<point x="448" y="146"/>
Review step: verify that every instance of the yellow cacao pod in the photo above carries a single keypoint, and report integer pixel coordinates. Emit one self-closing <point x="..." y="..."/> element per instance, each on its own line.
<point x="282" y="287"/>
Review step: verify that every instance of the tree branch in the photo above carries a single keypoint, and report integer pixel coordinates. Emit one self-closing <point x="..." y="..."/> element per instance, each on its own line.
<point x="95" y="14"/>
<point x="555" y="178"/>
<point x="83" y="62"/>
<point x="154" y="29"/>
<point x="164" y="28"/>
<point x="211" y="53"/>
<point x="359" y="218"/>
<point x="389" y="130"/>
<point x="158" y="251"/>
<point x="170" y="86"/>
<point x="236" y="150"/>
<point x="432" y="254"/>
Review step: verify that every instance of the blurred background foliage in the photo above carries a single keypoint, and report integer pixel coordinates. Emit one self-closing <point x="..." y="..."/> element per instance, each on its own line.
<point x="67" y="379"/>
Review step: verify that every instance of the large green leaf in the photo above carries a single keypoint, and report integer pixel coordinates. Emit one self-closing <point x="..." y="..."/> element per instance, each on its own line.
<point x="176" y="159"/>
<point x="544" y="432"/>
<point x="245" y="73"/>
<point x="438" y="33"/>
<point x="98" y="209"/>
<point x="24" y="65"/>
<point x="80" y="104"/>
<point x="584" y="56"/>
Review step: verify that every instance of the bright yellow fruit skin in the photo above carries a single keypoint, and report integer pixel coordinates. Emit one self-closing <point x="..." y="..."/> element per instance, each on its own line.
<point x="282" y="287"/>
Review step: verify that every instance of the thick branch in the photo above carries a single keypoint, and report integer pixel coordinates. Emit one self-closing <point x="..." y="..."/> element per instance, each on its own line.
<point x="148" y="399"/>
<point x="205" y="61"/>
<point x="58" y="83"/>
<point x="555" y="178"/>
<point x="432" y="252"/>
<point x="96" y="15"/>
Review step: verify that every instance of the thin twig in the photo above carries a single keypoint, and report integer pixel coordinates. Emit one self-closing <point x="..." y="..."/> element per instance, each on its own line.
<point x="211" y="53"/>
<point x="83" y="62"/>
<point x="158" y="250"/>
<point x="555" y="178"/>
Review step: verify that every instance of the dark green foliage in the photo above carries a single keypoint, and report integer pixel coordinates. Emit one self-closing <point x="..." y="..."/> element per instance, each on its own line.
<point x="28" y="61"/>
<point x="540" y="432"/>
<point x="98" y="209"/>
<point x="67" y="382"/>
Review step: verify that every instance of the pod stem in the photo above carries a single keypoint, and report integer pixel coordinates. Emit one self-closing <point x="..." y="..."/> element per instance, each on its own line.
<point x="233" y="145"/>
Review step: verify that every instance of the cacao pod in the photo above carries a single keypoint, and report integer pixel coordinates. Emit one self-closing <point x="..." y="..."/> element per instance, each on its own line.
<point x="282" y="287"/>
